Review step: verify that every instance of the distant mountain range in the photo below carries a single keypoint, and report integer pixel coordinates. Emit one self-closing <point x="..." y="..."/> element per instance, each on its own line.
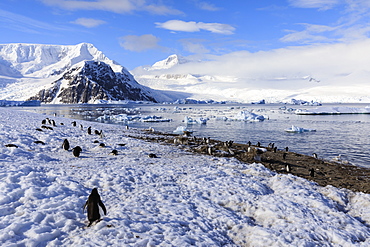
<point x="82" y="74"/>
<point x="69" y="74"/>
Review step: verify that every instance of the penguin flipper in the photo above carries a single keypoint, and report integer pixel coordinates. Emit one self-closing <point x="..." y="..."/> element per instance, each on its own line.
<point x="101" y="204"/>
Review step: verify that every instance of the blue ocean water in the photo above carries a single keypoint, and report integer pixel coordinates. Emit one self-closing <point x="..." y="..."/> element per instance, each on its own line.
<point x="346" y="135"/>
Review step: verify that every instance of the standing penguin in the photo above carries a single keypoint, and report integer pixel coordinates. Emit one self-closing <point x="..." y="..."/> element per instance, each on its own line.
<point x="76" y="151"/>
<point x="65" y="144"/>
<point x="92" y="204"/>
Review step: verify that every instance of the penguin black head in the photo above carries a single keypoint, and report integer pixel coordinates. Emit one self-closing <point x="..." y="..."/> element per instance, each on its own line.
<point x="102" y="145"/>
<point x="114" y="152"/>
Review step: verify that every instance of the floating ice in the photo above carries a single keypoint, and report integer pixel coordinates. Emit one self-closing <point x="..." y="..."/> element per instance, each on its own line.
<point x="189" y="120"/>
<point x="246" y="115"/>
<point x="333" y="111"/>
<point x="295" y="129"/>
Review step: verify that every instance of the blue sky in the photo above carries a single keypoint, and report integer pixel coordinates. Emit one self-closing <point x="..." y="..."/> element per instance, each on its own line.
<point x="142" y="32"/>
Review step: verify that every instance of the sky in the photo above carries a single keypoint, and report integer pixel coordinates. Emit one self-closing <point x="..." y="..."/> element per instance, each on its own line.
<point x="141" y="32"/>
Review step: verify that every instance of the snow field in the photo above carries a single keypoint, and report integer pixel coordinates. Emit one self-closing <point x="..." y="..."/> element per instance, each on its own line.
<point x="177" y="199"/>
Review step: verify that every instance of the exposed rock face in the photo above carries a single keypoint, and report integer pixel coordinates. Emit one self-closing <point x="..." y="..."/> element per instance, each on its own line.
<point x="90" y="81"/>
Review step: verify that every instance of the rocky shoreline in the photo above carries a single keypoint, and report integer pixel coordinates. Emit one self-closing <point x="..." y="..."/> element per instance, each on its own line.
<point x="323" y="172"/>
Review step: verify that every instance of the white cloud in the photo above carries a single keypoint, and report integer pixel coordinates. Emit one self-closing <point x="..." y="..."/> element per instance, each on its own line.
<point x="117" y="6"/>
<point x="25" y="24"/>
<point x="88" y="22"/>
<point x="317" y="4"/>
<point x="192" y="26"/>
<point x="310" y="34"/>
<point x="139" y="43"/>
<point x="207" y="6"/>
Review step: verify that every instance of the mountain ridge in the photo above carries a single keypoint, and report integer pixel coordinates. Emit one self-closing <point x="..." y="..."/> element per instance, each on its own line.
<point x="44" y="72"/>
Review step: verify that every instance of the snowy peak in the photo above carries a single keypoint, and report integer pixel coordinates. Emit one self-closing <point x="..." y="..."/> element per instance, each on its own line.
<point x="46" y="60"/>
<point x="169" y="62"/>
<point x="92" y="81"/>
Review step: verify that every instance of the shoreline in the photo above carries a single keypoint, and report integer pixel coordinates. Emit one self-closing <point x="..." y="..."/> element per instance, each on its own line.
<point x="326" y="172"/>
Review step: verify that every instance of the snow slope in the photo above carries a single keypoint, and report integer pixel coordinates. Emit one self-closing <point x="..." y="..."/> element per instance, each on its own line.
<point x="177" y="199"/>
<point x="28" y="69"/>
<point x="275" y="77"/>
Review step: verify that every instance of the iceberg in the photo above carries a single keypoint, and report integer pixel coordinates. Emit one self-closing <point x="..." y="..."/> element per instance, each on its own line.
<point x="180" y="130"/>
<point x="248" y="116"/>
<point x="334" y="110"/>
<point x="295" y="129"/>
<point x="200" y="120"/>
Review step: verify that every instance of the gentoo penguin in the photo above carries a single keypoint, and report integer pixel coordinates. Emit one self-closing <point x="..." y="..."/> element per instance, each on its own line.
<point x="39" y="142"/>
<point x="151" y="155"/>
<point x="314" y="155"/>
<point x="102" y="145"/>
<point x="65" y="144"/>
<point x="43" y="121"/>
<point x="249" y="143"/>
<point x="74" y="123"/>
<point x="258" y="144"/>
<point x="92" y="204"/>
<point x="89" y="130"/>
<point x="11" y="145"/>
<point x="275" y="149"/>
<point x="312" y="172"/>
<point x="287" y="149"/>
<point x="284" y="156"/>
<point x="288" y="168"/>
<point x="76" y="151"/>
<point x="53" y="123"/>
<point x="114" y="152"/>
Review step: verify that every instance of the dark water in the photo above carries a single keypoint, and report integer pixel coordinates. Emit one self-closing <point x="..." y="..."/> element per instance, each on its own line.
<point x="345" y="135"/>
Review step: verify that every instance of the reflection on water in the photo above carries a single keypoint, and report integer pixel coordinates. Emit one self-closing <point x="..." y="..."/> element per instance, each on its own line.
<point x="347" y="135"/>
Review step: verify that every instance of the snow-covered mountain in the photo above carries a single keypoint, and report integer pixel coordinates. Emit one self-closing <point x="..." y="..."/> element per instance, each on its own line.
<point x="67" y="74"/>
<point x="245" y="79"/>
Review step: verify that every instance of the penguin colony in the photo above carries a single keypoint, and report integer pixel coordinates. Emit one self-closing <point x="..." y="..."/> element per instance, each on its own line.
<point x="94" y="201"/>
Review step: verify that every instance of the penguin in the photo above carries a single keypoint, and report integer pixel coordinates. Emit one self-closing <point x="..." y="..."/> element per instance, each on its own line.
<point x="284" y="156"/>
<point x="39" y="142"/>
<point x="312" y="172"/>
<point x="53" y="123"/>
<point x="81" y="127"/>
<point x="114" y="152"/>
<point x="121" y="144"/>
<point x="258" y="144"/>
<point x="38" y="129"/>
<point x="249" y="143"/>
<point x="11" y="145"/>
<point x="97" y="132"/>
<point x="287" y="149"/>
<point x="92" y="204"/>
<point x="74" y="123"/>
<point x="102" y="145"/>
<point x="314" y="155"/>
<point x="76" y="151"/>
<point x="89" y="130"/>
<point x="96" y="141"/>
<point x="275" y="149"/>
<point x="65" y="144"/>
<point x="288" y="168"/>
<point x="43" y="121"/>
<point x="151" y="155"/>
